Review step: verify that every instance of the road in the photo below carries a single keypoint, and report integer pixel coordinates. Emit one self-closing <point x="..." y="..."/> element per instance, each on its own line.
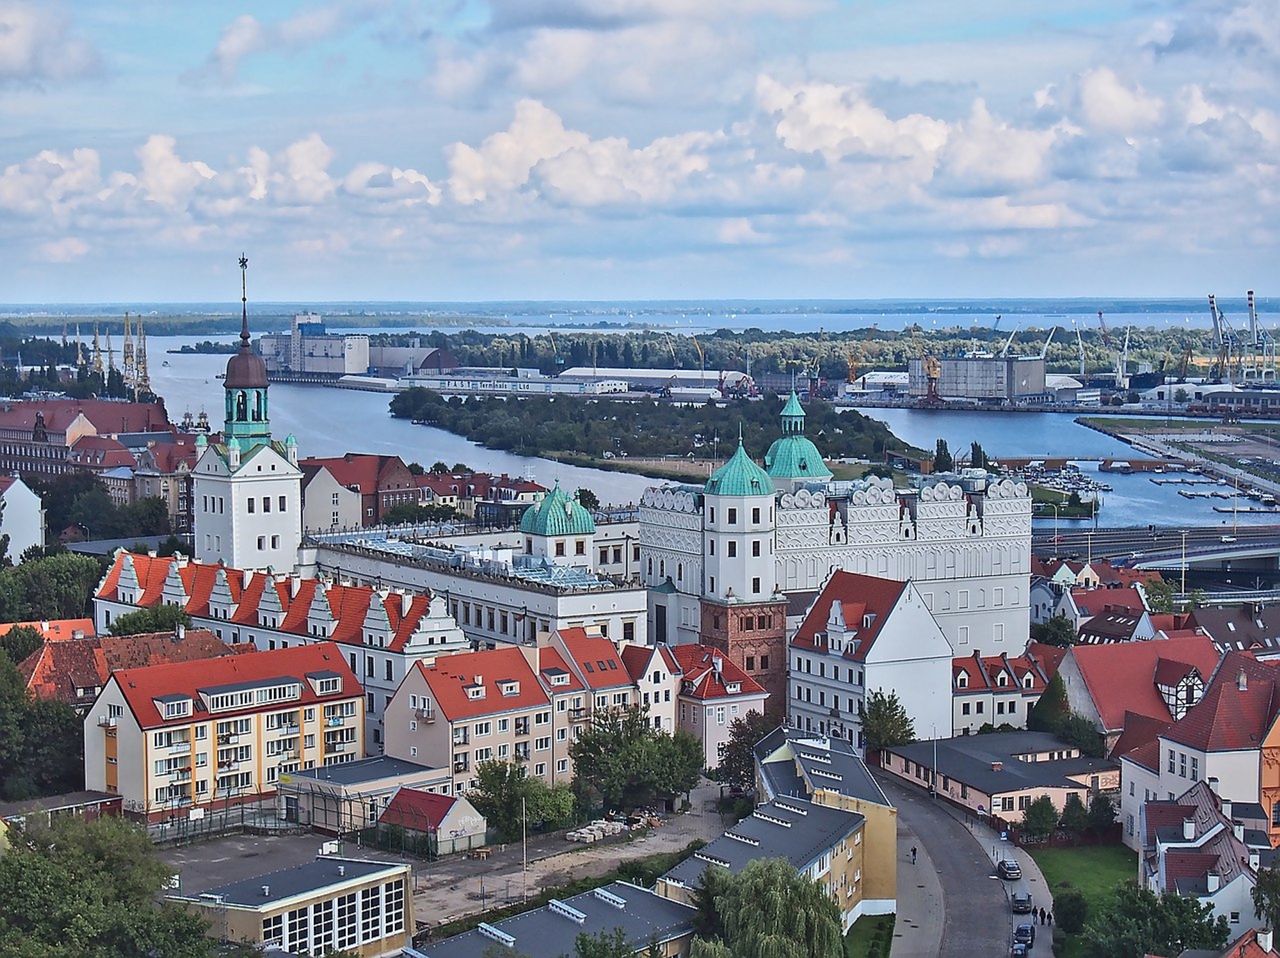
<point x="1119" y="543"/>
<point x="976" y="919"/>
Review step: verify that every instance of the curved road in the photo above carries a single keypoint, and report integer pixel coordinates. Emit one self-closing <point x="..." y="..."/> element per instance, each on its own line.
<point x="976" y="919"/>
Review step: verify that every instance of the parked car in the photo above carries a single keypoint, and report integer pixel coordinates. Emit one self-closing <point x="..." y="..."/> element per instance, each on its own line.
<point x="1026" y="935"/>
<point x="1008" y="869"/>
<point x="1019" y="950"/>
<point x="1021" y="903"/>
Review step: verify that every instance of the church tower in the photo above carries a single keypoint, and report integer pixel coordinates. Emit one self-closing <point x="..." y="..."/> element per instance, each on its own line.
<point x="247" y="491"/>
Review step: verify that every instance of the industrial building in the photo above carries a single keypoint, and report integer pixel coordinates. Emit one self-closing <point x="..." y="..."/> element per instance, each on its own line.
<point x="499" y="381"/>
<point x="983" y="378"/>
<point x="310" y="350"/>
<point x="654" y="380"/>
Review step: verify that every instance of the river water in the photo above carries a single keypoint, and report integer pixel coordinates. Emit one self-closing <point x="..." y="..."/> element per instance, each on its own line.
<point x="329" y="422"/>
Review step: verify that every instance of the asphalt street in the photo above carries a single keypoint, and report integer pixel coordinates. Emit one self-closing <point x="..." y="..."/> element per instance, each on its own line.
<point x="976" y="919"/>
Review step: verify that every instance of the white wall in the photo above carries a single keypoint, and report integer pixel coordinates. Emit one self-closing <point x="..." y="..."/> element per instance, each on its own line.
<point x="23" y="519"/>
<point x="1137" y="786"/>
<point x="318" y="508"/>
<point x="229" y="532"/>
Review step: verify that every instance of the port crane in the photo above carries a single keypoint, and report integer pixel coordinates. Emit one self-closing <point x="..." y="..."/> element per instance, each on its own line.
<point x="1009" y="342"/>
<point x="1262" y="345"/>
<point x="1044" y="350"/>
<point x="1227" y="360"/>
<point x="1122" y="361"/>
<point x="1106" y="334"/>
<point x="702" y="362"/>
<point x="1080" y="345"/>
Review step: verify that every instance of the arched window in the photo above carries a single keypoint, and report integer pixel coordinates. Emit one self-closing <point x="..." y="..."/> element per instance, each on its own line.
<point x="242" y="407"/>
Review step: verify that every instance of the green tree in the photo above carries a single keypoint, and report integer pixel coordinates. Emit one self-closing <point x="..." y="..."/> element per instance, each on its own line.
<point x="1079" y="731"/>
<point x="1138" y="922"/>
<point x="604" y="944"/>
<point x="508" y="798"/>
<point x="769" y="910"/>
<point x="21" y="641"/>
<point x="1160" y="594"/>
<point x="1055" y="631"/>
<point x="885" y="722"/>
<point x="624" y="761"/>
<point x="155" y="618"/>
<point x="415" y="469"/>
<point x="1180" y="395"/>
<point x="1102" y="814"/>
<point x="711" y="884"/>
<point x="41" y="742"/>
<point x="1266" y="897"/>
<point x="439" y="467"/>
<point x="1075" y="818"/>
<point x="1039" y="819"/>
<point x="738" y="762"/>
<point x="1070" y="909"/>
<point x="702" y="948"/>
<point x="977" y="457"/>
<point x="88" y="890"/>
<point x="588" y="499"/>
<point x="1050" y="708"/>
<point x="942" y="460"/>
<point x="55" y="587"/>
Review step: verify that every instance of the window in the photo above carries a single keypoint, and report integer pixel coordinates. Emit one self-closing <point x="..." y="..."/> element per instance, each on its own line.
<point x="733" y="549"/>
<point x="273" y="930"/>
<point x="275" y="542"/>
<point x="755" y="515"/>
<point x="755" y="585"/>
<point x="251" y="505"/>
<point x="733" y="517"/>
<point x="282" y="503"/>
<point x="1171" y="760"/>
<point x="370" y="914"/>
<point x="262" y="543"/>
<point x="390" y="669"/>
<point x="266" y="503"/>
<point x="755" y="547"/>
<point x="1182" y="764"/>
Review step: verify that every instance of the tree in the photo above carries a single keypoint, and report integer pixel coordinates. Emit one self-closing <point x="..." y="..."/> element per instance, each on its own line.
<point x="1050" y="708"/>
<point x="21" y="641"/>
<point x="88" y="890"/>
<point x="1180" y="395"/>
<point x="621" y="758"/>
<point x="942" y="460"/>
<point x="1079" y="731"/>
<point x="1070" y="909"/>
<point x="1056" y="631"/>
<point x="156" y="618"/>
<point x="977" y="457"/>
<point x="439" y="467"/>
<point x="1266" y="897"/>
<point x="588" y="499"/>
<point x="769" y="910"/>
<point x="1139" y="922"/>
<point x="885" y="722"/>
<point x="1075" y="819"/>
<point x="604" y="944"/>
<point x="1102" y="814"/>
<point x="712" y="883"/>
<point x="509" y="798"/>
<point x="415" y="469"/>
<point x="702" y="948"/>
<point x="55" y="587"/>
<point x="1160" y="594"/>
<point x="41" y="742"/>
<point x="460" y="467"/>
<point x="1040" y="819"/>
<point x="738" y="762"/>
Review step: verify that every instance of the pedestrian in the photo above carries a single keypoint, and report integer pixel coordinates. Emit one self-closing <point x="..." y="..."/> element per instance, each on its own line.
<point x="1042" y="915"/>
<point x="1050" y="919"/>
<point x="913" y="854"/>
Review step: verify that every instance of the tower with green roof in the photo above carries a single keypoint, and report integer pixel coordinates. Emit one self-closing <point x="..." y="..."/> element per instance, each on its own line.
<point x="559" y="527"/>
<point x="793" y="458"/>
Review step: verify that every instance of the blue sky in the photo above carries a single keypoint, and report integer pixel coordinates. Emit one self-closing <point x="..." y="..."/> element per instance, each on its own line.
<point x="605" y="149"/>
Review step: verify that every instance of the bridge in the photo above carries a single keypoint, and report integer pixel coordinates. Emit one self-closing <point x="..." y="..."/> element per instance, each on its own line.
<point x="1165" y="548"/>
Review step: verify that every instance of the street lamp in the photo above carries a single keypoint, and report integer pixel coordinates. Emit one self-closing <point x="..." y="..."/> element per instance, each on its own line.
<point x="1184" y="562"/>
<point x="1054" y="507"/>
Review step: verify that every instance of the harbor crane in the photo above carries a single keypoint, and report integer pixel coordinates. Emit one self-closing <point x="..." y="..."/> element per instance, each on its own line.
<point x="1106" y="334"/>
<point x="1227" y="360"/>
<point x="1080" y="345"/>
<point x="1009" y="342"/>
<point x="1262" y="344"/>
<point x="1044" y="350"/>
<point x="1122" y="361"/>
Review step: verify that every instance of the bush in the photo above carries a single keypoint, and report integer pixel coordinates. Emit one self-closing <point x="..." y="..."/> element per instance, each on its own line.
<point x="1070" y="911"/>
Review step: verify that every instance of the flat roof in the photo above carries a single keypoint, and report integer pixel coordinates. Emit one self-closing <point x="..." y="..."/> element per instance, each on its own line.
<point x="290" y="882"/>
<point x="549" y="932"/>
<point x="51" y="803"/>
<point x="364" y="770"/>
<point x="969" y="759"/>
<point x="790" y="828"/>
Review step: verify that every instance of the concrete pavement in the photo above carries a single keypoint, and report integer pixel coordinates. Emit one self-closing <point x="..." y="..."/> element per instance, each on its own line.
<point x="966" y="914"/>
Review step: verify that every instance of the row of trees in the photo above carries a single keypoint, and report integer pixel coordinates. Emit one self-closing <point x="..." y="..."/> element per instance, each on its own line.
<point x="1137" y="921"/>
<point x="80" y="499"/>
<point x="1041" y="818"/>
<point x="943" y="461"/>
<point x="58" y="586"/>
<point x="41" y="741"/>
<point x="591" y="427"/>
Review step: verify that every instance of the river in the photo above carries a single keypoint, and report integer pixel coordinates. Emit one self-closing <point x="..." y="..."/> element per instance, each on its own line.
<point x="329" y="422"/>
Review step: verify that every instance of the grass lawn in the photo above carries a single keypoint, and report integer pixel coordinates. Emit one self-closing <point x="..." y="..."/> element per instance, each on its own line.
<point x="1094" y="870"/>
<point x="857" y="943"/>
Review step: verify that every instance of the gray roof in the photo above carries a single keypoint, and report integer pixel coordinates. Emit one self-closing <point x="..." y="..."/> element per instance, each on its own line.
<point x="248" y="684"/>
<point x="793" y="829"/>
<point x="818" y="762"/>
<point x="969" y="758"/>
<point x="53" y="803"/>
<point x="364" y="770"/>
<point x="301" y="879"/>
<point x="546" y="933"/>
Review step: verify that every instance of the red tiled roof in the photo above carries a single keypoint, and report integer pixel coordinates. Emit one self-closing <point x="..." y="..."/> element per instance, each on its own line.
<point x="451" y="676"/>
<point x="1120" y="676"/>
<point x="1138" y="730"/>
<point x="100" y="452"/>
<point x="637" y="658"/>
<point x="1182" y="866"/>
<point x="416" y="810"/>
<point x="703" y="680"/>
<point x="1049" y="657"/>
<point x="1147" y="755"/>
<point x="595" y="657"/>
<point x="54" y="630"/>
<point x="1247" y="946"/>
<point x="61" y="667"/>
<point x="858" y="596"/>
<point x="1229" y="717"/>
<point x="550" y="660"/>
<point x="106" y="416"/>
<point x="349" y="604"/>
<point x="983" y="673"/>
<point x="361" y="471"/>
<point x="142" y="686"/>
<point x="1095" y="601"/>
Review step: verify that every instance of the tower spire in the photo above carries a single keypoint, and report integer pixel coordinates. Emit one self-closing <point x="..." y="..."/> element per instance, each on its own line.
<point x="244" y="304"/>
<point x="97" y="352"/>
<point x="142" y="378"/>
<point x="126" y="359"/>
<point x="111" y="353"/>
<point x="79" y="348"/>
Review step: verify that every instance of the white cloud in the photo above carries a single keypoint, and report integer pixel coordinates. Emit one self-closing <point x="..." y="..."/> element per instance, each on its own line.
<point x="65" y="250"/>
<point x="36" y="43"/>
<point x="165" y="177"/>
<point x="987" y="154"/>
<point x="49" y="181"/>
<point x="738" y="231"/>
<point x="503" y="161"/>
<point x="241" y="37"/>
<point x="1108" y="105"/>
<point x="246" y="35"/>
<point x="391" y="184"/>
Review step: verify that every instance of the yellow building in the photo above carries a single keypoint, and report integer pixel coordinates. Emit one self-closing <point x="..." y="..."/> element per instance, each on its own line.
<point x="328" y="905"/>
<point x="176" y="741"/>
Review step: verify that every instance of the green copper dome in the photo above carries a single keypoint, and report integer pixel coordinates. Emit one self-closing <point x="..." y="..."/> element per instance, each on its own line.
<point x="739" y="477"/>
<point x="793" y="455"/>
<point x="557" y="514"/>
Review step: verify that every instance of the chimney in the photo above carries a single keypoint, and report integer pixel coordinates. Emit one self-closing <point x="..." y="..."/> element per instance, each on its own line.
<point x="717" y="663"/>
<point x="180" y="632"/>
<point x="1242" y="681"/>
<point x="1255" y="861"/>
<point x="1213" y="881"/>
<point x="1265" y="939"/>
<point x="266" y="891"/>
<point x="997" y="766"/>
<point x="342" y="871"/>
<point x="1226" y="808"/>
<point x="1237" y="829"/>
<point x="1213" y="784"/>
<point x="406" y="600"/>
<point x="1188" y="828"/>
<point x="479" y="680"/>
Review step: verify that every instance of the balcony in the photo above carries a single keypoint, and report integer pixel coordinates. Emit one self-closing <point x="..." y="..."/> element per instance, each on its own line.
<point x="460" y="767"/>
<point x="229" y="738"/>
<point x="179" y="748"/>
<point x="522" y="726"/>
<point x="461" y="737"/>
<point x="579" y="714"/>
<point x="335" y="721"/>
<point x="337" y="746"/>
<point x="425" y="715"/>
<point x="107" y="721"/>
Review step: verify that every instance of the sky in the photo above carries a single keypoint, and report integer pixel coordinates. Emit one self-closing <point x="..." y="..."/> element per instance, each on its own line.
<point x="637" y="149"/>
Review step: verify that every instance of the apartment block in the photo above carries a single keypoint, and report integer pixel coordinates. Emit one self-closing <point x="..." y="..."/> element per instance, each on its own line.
<point x="176" y="740"/>
<point x="713" y="694"/>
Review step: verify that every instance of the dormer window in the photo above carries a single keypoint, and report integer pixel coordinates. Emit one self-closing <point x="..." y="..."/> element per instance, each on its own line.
<point x="1028" y="681"/>
<point x="475" y="692"/>
<point x="1002" y="680"/>
<point x="509" y="688"/>
<point x="177" y="708"/>
<point x="733" y="688"/>
<point x="328" y="686"/>
<point x="560" y="678"/>
<point x="962" y="681"/>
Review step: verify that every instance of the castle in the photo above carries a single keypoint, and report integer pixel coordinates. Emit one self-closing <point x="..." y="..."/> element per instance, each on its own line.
<point x="732" y="562"/>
